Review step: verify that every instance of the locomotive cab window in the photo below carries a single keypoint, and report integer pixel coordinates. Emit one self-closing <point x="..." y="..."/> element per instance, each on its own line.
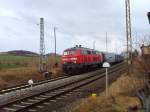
<point x="88" y="52"/>
<point x="93" y="52"/>
<point x="98" y="53"/>
<point x="83" y="52"/>
<point x="69" y="52"/>
<point x="65" y="53"/>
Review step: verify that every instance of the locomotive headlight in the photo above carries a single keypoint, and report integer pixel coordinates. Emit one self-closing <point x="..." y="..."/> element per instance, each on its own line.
<point x="64" y="59"/>
<point x="73" y="58"/>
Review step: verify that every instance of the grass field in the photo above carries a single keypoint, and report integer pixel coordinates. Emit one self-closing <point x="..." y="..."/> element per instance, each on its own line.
<point x="8" y="61"/>
<point x="14" y="58"/>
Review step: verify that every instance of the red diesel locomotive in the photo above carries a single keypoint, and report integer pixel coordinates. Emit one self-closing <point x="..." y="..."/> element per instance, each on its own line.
<point x="78" y="57"/>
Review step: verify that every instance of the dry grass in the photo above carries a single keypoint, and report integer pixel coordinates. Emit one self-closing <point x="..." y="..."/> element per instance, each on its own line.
<point x="18" y="76"/>
<point x="122" y="93"/>
<point x="118" y="100"/>
<point x="11" y="77"/>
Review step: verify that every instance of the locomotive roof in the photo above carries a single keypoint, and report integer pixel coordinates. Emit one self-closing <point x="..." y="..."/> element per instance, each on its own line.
<point x="79" y="48"/>
<point x="84" y="48"/>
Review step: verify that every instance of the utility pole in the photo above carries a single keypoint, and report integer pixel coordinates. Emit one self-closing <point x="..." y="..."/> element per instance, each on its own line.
<point x="93" y="44"/>
<point x="148" y="14"/>
<point x="106" y="43"/>
<point x="42" y="57"/>
<point x="128" y="34"/>
<point x="55" y="46"/>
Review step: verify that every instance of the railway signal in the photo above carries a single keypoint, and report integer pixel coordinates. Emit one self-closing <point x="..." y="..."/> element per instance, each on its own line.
<point x="106" y="65"/>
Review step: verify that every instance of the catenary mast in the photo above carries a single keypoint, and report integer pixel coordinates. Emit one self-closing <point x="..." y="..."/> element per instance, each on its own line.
<point x="128" y="34"/>
<point x="42" y="57"/>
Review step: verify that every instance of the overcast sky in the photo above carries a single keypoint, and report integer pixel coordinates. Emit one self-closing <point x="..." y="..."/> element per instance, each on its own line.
<point x="77" y="22"/>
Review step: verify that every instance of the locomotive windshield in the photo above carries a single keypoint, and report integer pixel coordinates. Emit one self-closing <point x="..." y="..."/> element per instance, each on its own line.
<point x="69" y="52"/>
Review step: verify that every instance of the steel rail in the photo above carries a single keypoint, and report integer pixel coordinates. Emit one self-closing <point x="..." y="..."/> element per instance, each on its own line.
<point x="77" y="86"/>
<point x="23" y="86"/>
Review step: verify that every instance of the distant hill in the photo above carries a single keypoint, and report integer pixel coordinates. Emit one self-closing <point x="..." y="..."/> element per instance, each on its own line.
<point x="22" y="53"/>
<point x="26" y="53"/>
<point x="52" y="54"/>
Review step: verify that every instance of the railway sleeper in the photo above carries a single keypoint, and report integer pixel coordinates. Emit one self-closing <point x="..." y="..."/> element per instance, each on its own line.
<point x="46" y="103"/>
<point x="32" y="110"/>
<point x="45" y="96"/>
<point x="33" y="100"/>
<point x="40" y="106"/>
<point x="40" y="98"/>
<point x="8" y="109"/>
<point x="59" y="98"/>
<point x="27" y="103"/>
<point x="53" y="100"/>
<point x="50" y="94"/>
<point x="55" y="92"/>
<point x="18" y="106"/>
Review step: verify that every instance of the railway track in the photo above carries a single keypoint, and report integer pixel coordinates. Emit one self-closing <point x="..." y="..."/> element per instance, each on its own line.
<point x="29" y="102"/>
<point x="23" y="86"/>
